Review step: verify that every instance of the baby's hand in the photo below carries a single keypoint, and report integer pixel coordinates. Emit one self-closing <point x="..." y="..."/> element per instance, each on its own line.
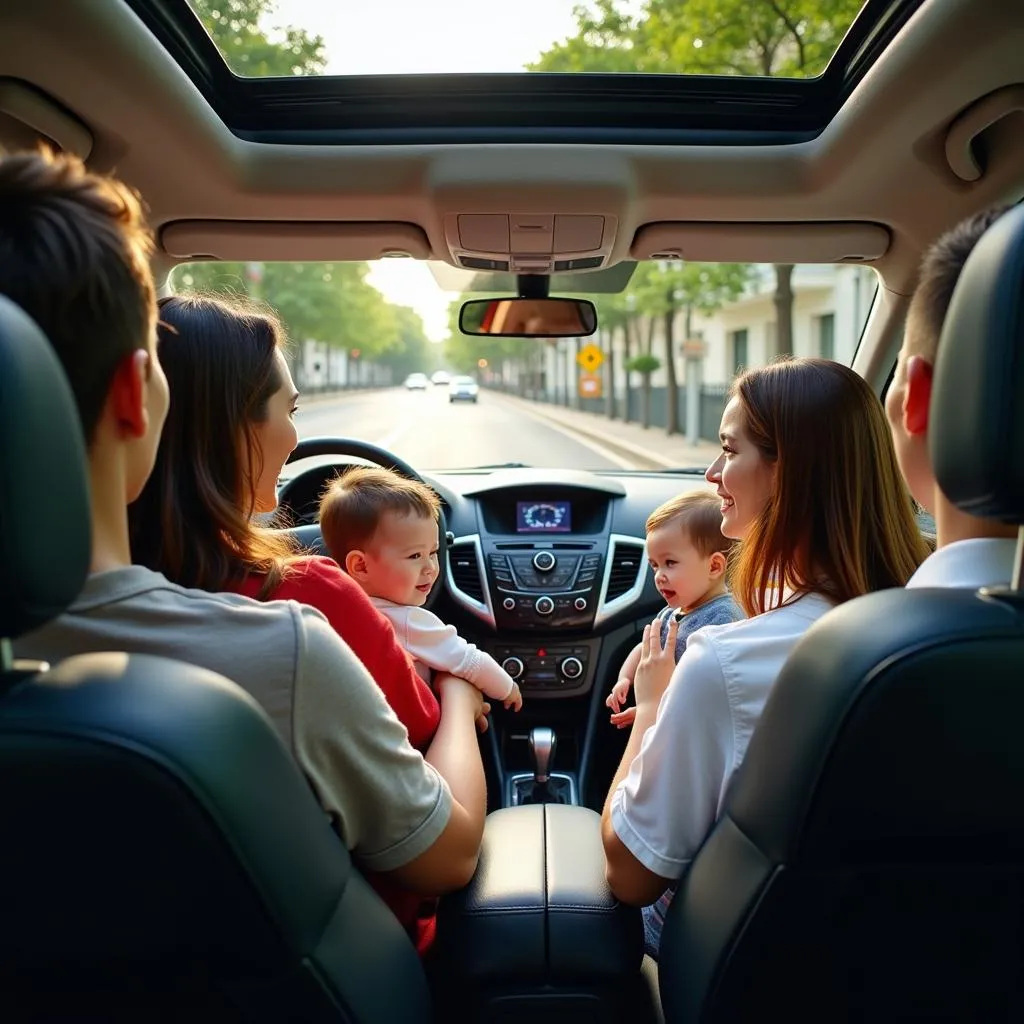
<point x="619" y="694"/>
<point x="515" y="698"/>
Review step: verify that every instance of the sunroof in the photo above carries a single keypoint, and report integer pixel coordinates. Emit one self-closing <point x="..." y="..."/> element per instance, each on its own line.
<point x="776" y="38"/>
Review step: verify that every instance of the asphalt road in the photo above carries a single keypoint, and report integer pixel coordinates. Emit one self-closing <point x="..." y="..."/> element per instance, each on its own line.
<point x="427" y="431"/>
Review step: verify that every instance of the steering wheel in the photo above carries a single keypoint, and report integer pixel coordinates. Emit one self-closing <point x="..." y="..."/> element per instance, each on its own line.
<point x="308" y="536"/>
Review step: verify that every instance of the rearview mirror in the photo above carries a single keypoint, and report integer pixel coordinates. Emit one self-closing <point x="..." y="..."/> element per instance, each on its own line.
<point x="529" y="318"/>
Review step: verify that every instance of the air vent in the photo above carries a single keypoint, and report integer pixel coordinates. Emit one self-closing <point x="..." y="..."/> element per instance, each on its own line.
<point x="465" y="570"/>
<point x="627" y="561"/>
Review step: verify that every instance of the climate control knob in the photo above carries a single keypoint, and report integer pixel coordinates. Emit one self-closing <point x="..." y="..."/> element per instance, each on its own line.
<point x="514" y="666"/>
<point x="509" y="604"/>
<point x="544" y="606"/>
<point x="571" y="668"/>
<point x="580" y="604"/>
<point x="544" y="561"/>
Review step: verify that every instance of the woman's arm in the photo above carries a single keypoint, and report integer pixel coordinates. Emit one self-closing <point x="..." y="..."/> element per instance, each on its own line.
<point x="664" y="798"/>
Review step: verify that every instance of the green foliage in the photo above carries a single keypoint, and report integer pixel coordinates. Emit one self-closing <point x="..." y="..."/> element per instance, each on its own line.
<point x="328" y="302"/>
<point x="790" y="38"/>
<point x="662" y="287"/>
<point x="644" y="364"/>
<point x="240" y="30"/>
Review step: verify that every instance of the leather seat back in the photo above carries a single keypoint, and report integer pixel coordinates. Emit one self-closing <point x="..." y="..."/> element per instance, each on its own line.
<point x="162" y="857"/>
<point x="869" y="862"/>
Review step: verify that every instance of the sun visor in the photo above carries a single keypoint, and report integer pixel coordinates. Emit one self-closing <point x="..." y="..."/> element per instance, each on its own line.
<point x="271" y="241"/>
<point x="798" y="242"/>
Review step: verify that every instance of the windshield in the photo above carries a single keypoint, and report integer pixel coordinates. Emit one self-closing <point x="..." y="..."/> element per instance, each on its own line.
<point x="785" y="38"/>
<point x="645" y="392"/>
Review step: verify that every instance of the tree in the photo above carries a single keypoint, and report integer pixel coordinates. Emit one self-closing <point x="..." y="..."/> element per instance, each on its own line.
<point x="665" y="287"/>
<point x="326" y="302"/>
<point x="787" y="38"/>
<point x="239" y="28"/>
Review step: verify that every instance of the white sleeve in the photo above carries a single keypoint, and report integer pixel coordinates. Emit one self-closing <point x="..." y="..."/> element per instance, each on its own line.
<point x="665" y="807"/>
<point x="438" y="645"/>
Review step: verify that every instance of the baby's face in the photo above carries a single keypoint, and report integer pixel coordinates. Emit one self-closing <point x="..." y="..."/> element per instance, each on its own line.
<point x="401" y="559"/>
<point x="682" y="575"/>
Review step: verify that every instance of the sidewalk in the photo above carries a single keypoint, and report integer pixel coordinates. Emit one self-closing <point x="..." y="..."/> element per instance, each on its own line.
<point x="647" y="449"/>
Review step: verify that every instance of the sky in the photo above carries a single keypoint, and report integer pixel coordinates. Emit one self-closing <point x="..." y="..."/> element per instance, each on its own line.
<point x="421" y="37"/>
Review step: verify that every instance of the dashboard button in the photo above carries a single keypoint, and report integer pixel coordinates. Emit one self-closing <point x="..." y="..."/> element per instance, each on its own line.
<point x="513" y="666"/>
<point x="571" y="668"/>
<point x="544" y="561"/>
<point x="509" y="604"/>
<point x="580" y="604"/>
<point x="544" y="606"/>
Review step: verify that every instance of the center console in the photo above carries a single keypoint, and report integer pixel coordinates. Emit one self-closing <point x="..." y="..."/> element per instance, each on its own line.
<point x="547" y="574"/>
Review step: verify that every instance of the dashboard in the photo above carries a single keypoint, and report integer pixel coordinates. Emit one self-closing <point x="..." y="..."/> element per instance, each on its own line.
<point x="542" y="565"/>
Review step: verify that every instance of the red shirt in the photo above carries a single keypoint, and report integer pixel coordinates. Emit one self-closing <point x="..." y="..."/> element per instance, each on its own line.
<point x="320" y="582"/>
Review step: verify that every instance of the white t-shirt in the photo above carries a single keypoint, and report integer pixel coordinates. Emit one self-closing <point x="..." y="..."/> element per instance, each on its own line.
<point x="979" y="562"/>
<point x="439" y="647"/>
<point x="665" y="807"/>
<point x="388" y="804"/>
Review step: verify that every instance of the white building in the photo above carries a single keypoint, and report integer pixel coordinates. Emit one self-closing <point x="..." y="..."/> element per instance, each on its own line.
<point x="830" y="308"/>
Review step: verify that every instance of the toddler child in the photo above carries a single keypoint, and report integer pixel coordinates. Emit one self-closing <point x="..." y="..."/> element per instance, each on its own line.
<point x="689" y="556"/>
<point x="382" y="529"/>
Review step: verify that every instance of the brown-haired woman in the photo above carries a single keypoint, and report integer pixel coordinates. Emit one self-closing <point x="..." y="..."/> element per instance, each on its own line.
<point x="810" y="487"/>
<point x="227" y="436"/>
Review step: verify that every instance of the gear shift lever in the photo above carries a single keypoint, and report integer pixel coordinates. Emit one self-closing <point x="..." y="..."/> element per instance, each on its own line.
<point x="542" y="752"/>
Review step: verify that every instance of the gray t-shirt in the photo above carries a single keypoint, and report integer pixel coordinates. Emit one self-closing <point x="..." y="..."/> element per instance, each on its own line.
<point x="388" y="804"/>
<point x="716" y="612"/>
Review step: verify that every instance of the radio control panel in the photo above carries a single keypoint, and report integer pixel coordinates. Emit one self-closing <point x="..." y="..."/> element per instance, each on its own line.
<point x="544" y="588"/>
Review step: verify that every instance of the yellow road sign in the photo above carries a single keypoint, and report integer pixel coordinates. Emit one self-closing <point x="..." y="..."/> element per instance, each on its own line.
<point x="590" y="358"/>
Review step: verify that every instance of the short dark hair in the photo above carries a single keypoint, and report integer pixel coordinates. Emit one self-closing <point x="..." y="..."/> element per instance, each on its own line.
<point x="699" y="516"/>
<point x="353" y="505"/>
<point x="74" y="255"/>
<point x="940" y="271"/>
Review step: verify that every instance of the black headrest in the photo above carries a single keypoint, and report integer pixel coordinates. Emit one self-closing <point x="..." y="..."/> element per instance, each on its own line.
<point x="976" y="421"/>
<point x="45" y="526"/>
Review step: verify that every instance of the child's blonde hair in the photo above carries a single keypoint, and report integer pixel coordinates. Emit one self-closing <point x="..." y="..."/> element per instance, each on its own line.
<point x="353" y="505"/>
<point x="699" y="515"/>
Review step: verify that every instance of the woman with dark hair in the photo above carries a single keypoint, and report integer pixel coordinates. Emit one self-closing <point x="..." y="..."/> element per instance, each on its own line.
<point x="810" y="486"/>
<point x="228" y="433"/>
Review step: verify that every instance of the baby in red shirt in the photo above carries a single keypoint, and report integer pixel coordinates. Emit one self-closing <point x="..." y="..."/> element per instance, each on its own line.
<point x="382" y="528"/>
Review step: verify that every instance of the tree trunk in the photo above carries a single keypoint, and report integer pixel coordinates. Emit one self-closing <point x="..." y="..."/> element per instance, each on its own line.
<point x="627" y="354"/>
<point x="645" y="403"/>
<point x="783" y="309"/>
<point x="609" y="373"/>
<point x="671" y="384"/>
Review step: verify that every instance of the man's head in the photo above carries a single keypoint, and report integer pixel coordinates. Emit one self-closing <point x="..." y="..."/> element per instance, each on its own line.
<point x="382" y="528"/>
<point x="909" y="397"/>
<point x="686" y="549"/>
<point x="74" y="254"/>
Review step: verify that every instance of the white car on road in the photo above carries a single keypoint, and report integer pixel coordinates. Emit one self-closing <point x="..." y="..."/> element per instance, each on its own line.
<point x="463" y="389"/>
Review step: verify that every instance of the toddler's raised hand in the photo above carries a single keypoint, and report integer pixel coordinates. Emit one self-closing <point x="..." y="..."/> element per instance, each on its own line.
<point x="619" y="694"/>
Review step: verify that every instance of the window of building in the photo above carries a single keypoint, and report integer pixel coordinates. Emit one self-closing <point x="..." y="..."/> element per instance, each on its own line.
<point x="827" y="336"/>
<point x="738" y="345"/>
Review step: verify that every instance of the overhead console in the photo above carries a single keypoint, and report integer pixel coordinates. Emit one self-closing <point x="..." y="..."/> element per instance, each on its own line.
<point x="530" y="243"/>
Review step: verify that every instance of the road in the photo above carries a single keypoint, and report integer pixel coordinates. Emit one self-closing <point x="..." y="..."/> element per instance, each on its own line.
<point x="429" y="433"/>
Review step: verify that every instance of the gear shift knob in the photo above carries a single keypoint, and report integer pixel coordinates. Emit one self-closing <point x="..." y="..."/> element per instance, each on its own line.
<point x="542" y="751"/>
